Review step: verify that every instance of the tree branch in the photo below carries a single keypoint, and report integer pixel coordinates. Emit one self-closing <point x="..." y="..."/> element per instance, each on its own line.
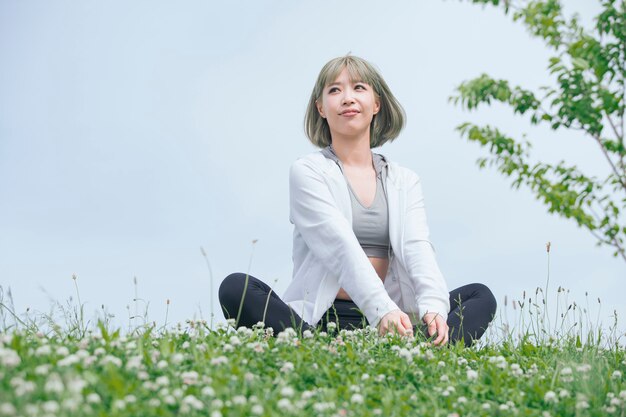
<point x="619" y="175"/>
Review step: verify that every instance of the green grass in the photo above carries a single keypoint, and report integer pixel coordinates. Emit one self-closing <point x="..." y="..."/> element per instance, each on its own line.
<point x="538" y="358"/>
<point x="194" y="370"/>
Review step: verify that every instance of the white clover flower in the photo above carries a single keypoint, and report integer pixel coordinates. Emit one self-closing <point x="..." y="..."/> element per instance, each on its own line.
<point x="134" y="362"/>
<point x="169" y="399"/>
<point x="109" y="359"/>
<point x="25" y="387"/>
<point x="622" y="394"/>
<point x="54" y="383"/>
<point x="615" y="401"/>
<point x="130" y="399"/>
<point x="461" y="361"/>
<point x="306" y="395"/>
<point x="504" y="407"/>
<point x="286" y="335"/>
<point x="616" y="374"/>
<point x="93" y="398"/>
<point x="118" y="404"/>
<point x="31" y="410"/>
<point x="219" y="360"/>
<point x="486" y="406"/>
<point x="7" y="409"/>
<point x="50" y="407"/>
<point x="178" y="393"/>
<point x="356" y="399"/>
<point x="228" y="347"/>
<point x="323" y="406"/>
<point x="239" y="400"/>
<point x="177" y="358"/>
<point x="186" y="344"/>
<point x="9" y="357"/>
<point x="70" y="404"/>
<point x="192" y="402"/>
<point x="582" y="405"/>
<point x="235" y="341"/>
<point x="68" y="360"/>
<point x="444" y="378"/>
<point x="516" y="369"/>
<point x="257" y="409"/>
<point x="365" y="377"/>
<point x="441" y="364"/>
<point x="585" y="367"/>
<point x="461" y="400"/>
<point x="43" y="350"/>
<point x="287" y="367"/>
<point x="563" y="393"/>
<point x="62" y="351"/>
<point x="76" y="385"/>
<point x="550" y="397"/>
<point x="256" y="346"/>
<point x="472" y="374"/>
<point x="287" y="391"/>
<point x="154" y="402"/>
<point x="284" y="404"/>
<point x="189" y="377"/>
<point x="307" y="334"/>
<point x="331" y="325"/>
<point x="445" y="393"/>
<point x="162" y="381"/>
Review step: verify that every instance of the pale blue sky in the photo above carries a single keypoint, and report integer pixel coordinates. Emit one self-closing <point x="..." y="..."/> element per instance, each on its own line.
<point x="131" y="134"/>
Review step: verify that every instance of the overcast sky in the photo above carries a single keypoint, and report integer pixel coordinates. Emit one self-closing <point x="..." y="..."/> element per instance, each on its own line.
<point x="133" y="133"/>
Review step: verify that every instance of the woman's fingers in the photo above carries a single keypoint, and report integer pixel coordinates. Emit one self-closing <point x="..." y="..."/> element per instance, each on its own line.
<point x="396" y="322"/>
<point x="437" y="323"/>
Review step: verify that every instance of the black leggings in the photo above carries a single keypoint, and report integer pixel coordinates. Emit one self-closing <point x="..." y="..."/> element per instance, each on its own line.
<point x="467" y="321"/>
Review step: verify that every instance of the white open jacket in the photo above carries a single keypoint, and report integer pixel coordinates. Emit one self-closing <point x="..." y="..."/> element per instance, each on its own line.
<point x="327" y="255"/>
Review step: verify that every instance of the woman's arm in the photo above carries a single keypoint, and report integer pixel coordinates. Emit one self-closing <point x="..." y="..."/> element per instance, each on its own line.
<point x="330" y="237"/>
<point x="430" y="287"/>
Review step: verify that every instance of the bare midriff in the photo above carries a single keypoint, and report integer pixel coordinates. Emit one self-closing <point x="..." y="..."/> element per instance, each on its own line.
<point x="380" y="265"/>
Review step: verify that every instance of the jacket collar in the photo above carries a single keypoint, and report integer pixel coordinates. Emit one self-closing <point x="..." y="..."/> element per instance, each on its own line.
<point x="380" y="162"/>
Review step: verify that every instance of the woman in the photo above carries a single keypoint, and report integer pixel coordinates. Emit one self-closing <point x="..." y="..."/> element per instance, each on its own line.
<point x="361" y="248"/>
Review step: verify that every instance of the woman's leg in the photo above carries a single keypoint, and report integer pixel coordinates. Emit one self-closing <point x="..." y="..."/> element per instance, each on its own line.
<point x="257" y="296"/>
<point x="345" y="314"/>
<point x="472" y="307"/>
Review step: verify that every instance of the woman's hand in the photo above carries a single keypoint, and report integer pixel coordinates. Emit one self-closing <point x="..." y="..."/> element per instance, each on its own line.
<point x="395" y="321"/>
<point x="438" y="324"/>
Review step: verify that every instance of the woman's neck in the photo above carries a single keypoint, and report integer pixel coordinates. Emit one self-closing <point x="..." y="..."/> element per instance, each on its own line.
<point x="353" y="152"/>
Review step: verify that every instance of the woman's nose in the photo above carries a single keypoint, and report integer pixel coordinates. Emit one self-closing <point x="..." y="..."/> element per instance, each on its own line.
<point x="347" y="98"/>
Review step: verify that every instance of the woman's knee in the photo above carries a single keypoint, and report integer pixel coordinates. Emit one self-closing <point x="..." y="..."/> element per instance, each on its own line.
<point x="231" y="288"/>
<point x="486" y="297"/>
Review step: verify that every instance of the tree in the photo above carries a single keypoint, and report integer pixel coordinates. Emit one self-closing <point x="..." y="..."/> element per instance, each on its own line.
<point x="589" y="68"/>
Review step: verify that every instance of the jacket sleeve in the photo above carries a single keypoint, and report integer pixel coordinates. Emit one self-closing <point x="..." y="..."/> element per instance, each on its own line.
<point x="331" y="239"/>
<point x="431" y="290"/>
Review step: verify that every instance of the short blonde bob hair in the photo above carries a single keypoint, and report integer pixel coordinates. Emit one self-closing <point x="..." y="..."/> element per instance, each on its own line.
<point x="386" y="124"/>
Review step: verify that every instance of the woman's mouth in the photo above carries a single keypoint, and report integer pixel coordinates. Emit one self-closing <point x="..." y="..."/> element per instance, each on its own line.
<point x="348" y="113"/>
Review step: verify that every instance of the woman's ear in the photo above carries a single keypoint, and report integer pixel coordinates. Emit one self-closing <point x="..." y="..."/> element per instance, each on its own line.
<point x="320" y="109"/>
<point x="376" y="105"/>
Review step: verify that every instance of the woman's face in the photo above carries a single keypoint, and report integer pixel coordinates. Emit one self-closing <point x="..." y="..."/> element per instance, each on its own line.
<point x="348" y="106"/>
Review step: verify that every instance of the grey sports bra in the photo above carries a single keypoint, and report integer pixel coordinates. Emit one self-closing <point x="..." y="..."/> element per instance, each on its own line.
<point x="370" y="224"/>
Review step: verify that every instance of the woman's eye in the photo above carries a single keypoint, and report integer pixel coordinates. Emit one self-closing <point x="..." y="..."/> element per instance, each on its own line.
<point x="333" y="89"/>
<point x="361" y="86"/>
